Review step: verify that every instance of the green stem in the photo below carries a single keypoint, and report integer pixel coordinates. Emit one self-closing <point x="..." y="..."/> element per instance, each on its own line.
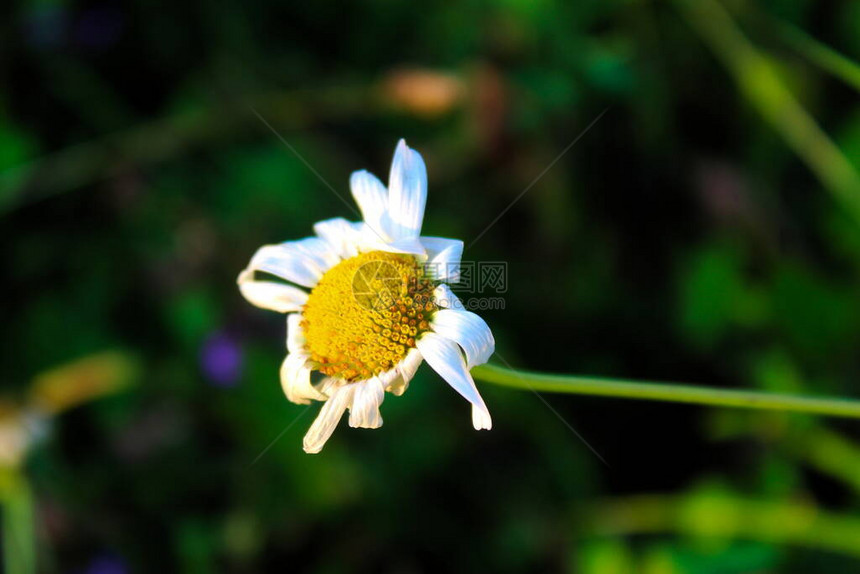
<point x="19" y="536"/>
<point x="821" y="55"/>
<point x="714" y="515"/>
<point x="837" y="407"/>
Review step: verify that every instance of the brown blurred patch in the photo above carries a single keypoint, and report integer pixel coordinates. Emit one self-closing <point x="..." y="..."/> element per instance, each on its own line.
<point x="426" y="93"/>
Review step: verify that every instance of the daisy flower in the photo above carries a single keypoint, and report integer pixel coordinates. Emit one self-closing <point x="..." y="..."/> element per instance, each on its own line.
<point x="367" y="302"/>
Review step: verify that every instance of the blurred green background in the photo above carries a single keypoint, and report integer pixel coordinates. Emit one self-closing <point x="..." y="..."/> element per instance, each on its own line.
<point x="706" y="230"/>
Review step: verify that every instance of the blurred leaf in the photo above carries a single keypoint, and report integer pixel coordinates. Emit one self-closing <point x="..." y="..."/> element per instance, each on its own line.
<point x="710" y="288"/>
<point x="776" y="371"/>
<point x="605" y="557"/>
<point x="821" y="319"/>
<point x="197" y="544"/>
<point x="713" y="517"/>
<point x="715" y="296"/>
<point x="736" y="557"/>
<point x="82" y="381"/>
<point x="16" y="146"/>
<point x="193" y="315"/>
<point x="661" y="560"/>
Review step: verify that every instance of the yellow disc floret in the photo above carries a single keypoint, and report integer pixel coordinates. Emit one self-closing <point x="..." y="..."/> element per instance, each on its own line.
<point x="366" y="313"/>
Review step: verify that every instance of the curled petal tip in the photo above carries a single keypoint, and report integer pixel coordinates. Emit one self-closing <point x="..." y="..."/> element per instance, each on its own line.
<point x="312" y="449"/>
<point x="481" y="419"/>
<point x="357" y="174"/>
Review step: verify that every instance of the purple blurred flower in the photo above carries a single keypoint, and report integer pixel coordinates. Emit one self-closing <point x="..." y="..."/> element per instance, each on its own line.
<point x="106" y="565"/>
<point x="221" y="359"/>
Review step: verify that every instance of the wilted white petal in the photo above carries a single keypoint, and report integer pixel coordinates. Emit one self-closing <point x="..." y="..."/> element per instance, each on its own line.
<point x="326" y="421"/>
<point x="301" y="262"/>
<point x="444" y="356"/>
<point x="296" y="380"/>
<point x="295" y="334"/>
<point x="398" y="380"/>
<point x="409" y="366"/>
<point x="407" y="194"/>
<point x="271" y="295"/>
<point x="372" y="199"/>
<point x="481" y="418"/>
<point x="443" y="258"/>
<point x="364" y="412"/>
<point x="341" y="235"/>
<point x="467" y="330"/>
<point x="328" y="385"/>
<point x="445" y="298"/>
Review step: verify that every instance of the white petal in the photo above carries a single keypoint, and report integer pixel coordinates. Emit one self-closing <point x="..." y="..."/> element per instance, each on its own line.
<point x="341" y="235"/>
<point x="372" y="241"/>
<point x="407" y="194"/>
<point x="397" y="386"/>
<point x="301" y="262"/>
<point x="296" y="380"/>
<point x="443" y="263"/>
<point x="372" y="199"/>
<point x="408" y="367"/>
<point x="328" y="385"/>
<point x="444" y="356"/>
<point x="445" y="298"/>
<point x="398" y="378"/>
<point x="467" y="330"/>
<point x="407" y="245"/>
<point x="295" y="334"/>
<point x="481" y="419"/>
<point x="327" y="420"/>
<point x="271" y="295"/>
<point x="364" y="412"/>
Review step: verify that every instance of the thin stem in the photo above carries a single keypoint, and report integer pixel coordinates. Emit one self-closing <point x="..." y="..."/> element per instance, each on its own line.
<point x="821" y="54"/>
<point x="19" y="535"/>
<point x="837" y="407"/>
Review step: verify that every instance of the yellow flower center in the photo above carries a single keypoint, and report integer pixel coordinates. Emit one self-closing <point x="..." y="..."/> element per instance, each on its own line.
<point x="366" y="313"/>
